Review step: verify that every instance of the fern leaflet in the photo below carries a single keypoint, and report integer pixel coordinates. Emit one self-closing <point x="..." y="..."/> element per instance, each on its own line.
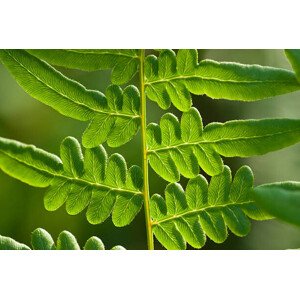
<point x="171" y="78"/>
<point x="103" y="185"/>
<point x="124" y="63"/>
<point x="179" y="147"/>
<point x="114" y="118"/>
<point x="202" y="209"/>
<point x="42" y="240"/>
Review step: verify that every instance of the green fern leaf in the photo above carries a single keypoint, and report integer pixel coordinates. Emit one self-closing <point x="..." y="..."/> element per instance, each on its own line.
<point x="66" y="241"/>
<point x="282" y="200"/>
<point x="94" y="243"/>
<point x="171" y="78"/>
<point x="42" y="240"/>
<point x="205" y="210"/>
<point x="179" y="147"/>
<point x="124" y="63"/>
<point x="113" y="117"/>
<point x="294" y="59"/>
<point x="176" y="148"/>
<point x="118" y="247"/>
<point x="7" y="243"/>
<point x="28" y="163"/>
<point x="245" y="138"/>
<point x="102" y="184"/>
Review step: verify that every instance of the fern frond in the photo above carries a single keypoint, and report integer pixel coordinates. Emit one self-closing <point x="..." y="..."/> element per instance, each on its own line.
<point x="202" y="209"/>
<point x="124" y="63"/>
<point x="42" y="240"/>
<point x="102" y="184"/>
<point x="293" y="56"/>
<point x="171" y="78"/>
<point x="179" y="147"/>
<point x="115" y="117"/>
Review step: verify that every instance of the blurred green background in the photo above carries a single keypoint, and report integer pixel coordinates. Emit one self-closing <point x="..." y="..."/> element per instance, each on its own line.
<point x="29" y="121"/>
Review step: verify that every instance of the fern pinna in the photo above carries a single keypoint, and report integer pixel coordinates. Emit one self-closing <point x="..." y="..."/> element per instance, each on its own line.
<point x="88" y="179"/>
<point x="42" y="240"/>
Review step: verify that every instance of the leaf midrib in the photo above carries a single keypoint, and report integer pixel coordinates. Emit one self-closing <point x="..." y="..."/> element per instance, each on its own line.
<point x="255" y="137"/>
<point x="197" y="211"/>
<point x="195" y="76"/>
<point x="100" y="53"/>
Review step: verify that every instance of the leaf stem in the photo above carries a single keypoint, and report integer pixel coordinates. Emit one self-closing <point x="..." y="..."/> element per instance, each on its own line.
<point x="145" y="158"/>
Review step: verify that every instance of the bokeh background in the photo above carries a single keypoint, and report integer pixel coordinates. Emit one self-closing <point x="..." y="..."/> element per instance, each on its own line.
<point x="27" y="120"/>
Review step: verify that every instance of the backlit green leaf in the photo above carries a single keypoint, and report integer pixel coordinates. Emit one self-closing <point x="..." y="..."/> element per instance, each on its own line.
<point x="118" y="247"/>
<point x="175" y="147"/>
<point x="42" y="240"/>
<point x="28" y="163"/>
<point x="66" y="241"/>
<point x="7" y="243"/>
<point x="244" y="138"/>
<point x="202" y="209"/>
<point x="94" y="243"/>
<point x="124" y="63"/>
<point x="102" y="185"/>
<point x="171" y="78"/>
<point x="113" y="117"/>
